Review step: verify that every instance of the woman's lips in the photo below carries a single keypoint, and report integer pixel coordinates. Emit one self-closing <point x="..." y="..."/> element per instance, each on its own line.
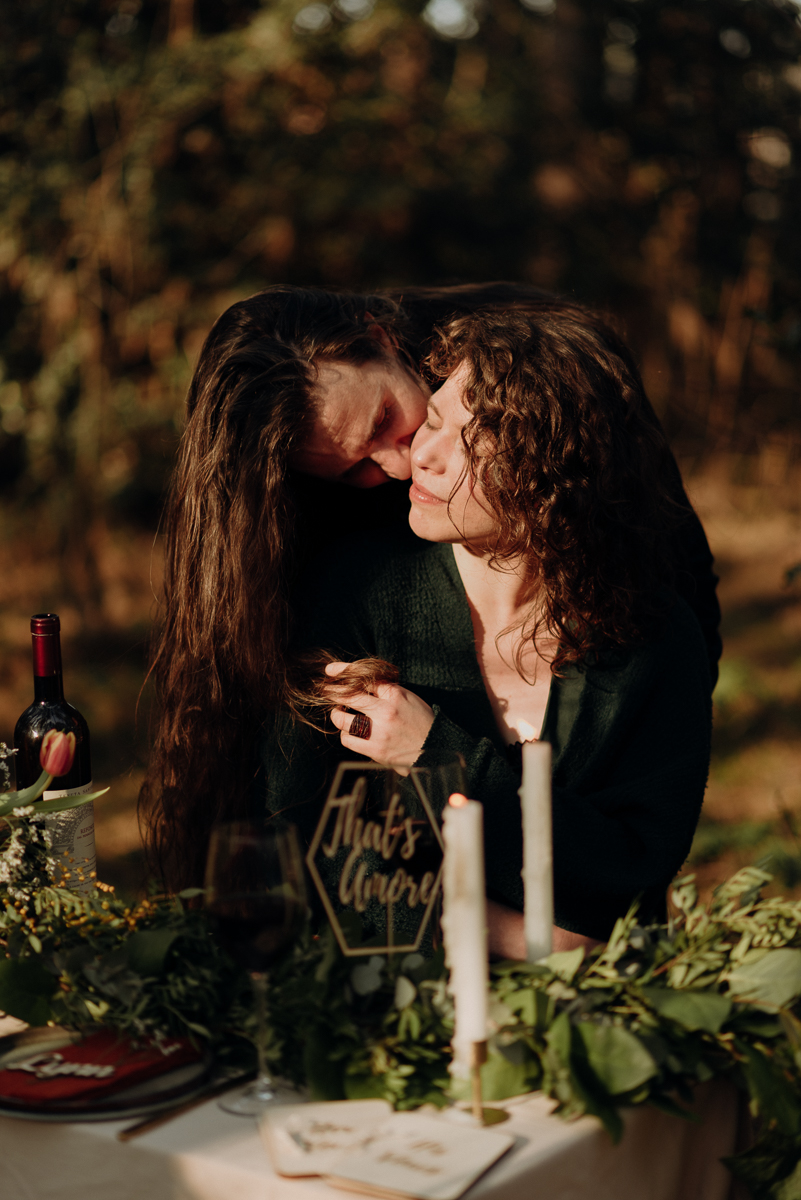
<point x="419" y="495"/>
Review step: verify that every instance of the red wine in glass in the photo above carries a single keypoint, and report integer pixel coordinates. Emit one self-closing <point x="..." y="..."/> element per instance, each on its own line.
<point x="257" y="930"/>
<point x="255" y="888"/>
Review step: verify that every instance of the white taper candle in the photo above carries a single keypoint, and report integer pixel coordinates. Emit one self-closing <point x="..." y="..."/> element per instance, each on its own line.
<point x="535" y="796"/>
<point x="464" y="922"/>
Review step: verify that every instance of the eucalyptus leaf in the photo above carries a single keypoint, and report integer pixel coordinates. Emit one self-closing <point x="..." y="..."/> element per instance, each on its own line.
<point x="524" y="1003"/>
<point x="769" y="1087"/>
<point x="617" y="1057"/>
<point x="691" y="1009"/>
<point x="365" y="1087"/>
<point x="147" y="950"/>
<point x="580" y="1027"/>
<point x="773" y="979"/>
<point x="565" y="963"/>
<point x="405" y="992"/>
<point x="323" y="1074"/>
<point x="367" y="977"/>
<point x="558" y="1038"/>
<point x="502" y="1077"/>
<point x="774" y="1159"/>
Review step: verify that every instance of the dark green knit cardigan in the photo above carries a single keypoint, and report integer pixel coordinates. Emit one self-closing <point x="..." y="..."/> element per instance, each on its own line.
<point x="630" y="733"/>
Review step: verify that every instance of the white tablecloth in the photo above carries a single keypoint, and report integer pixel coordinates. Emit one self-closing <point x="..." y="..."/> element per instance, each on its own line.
<point x="208" y="1155"/>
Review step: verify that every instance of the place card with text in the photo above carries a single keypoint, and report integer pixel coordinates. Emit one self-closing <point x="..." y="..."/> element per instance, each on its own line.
<point x="426" y="1157"/>
<point x="306" y="1139"/>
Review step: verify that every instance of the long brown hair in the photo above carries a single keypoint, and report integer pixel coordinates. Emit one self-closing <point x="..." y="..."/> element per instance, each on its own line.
<point x="573" y="465"/>
<point x="219" y="656"/>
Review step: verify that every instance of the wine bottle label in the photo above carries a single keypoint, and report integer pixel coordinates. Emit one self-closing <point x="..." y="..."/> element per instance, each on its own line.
<point x="71" y="835"/>
<point x="59" y="793"/>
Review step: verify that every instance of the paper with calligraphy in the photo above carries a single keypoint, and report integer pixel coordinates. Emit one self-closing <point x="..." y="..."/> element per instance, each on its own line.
<point x="427" y="1157"/>
<point x="307" y="1139"/>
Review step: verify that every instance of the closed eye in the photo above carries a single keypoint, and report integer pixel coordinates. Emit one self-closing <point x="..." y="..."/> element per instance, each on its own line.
<point x="381" y="423"/>
<point x="432" y="414"/>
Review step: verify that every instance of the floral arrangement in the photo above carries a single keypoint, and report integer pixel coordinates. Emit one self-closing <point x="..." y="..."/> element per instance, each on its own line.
<point x="26" y="862"/>
<point x="715" y="992"/>
<point x="80" y="960"/>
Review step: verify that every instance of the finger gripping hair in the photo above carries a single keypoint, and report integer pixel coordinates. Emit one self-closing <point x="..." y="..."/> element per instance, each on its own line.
<point x="314" y="693"/>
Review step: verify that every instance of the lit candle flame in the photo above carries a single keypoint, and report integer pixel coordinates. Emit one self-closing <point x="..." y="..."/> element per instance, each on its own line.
<point x="458" y="800"/>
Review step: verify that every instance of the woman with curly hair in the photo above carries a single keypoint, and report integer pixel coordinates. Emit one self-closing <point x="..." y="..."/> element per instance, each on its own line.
<point x="541" y="604"/>
<point x="300" y="416"/>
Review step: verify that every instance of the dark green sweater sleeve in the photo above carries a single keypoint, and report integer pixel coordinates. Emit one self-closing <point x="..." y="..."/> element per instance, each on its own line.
<point x="630" y="736"/>
<point x="631" y="756"/>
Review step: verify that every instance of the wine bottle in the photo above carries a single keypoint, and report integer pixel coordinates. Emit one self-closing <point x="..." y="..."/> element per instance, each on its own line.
<point x="71" y="833"/>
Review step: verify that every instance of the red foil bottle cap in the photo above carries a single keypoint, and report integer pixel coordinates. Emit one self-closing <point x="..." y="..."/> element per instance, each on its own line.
<point x="45" y="635"/>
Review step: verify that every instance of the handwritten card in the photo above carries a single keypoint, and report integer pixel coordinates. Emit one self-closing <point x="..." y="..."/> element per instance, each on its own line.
<point x="412" y="1154"/>
<point x="306" y="1139"/>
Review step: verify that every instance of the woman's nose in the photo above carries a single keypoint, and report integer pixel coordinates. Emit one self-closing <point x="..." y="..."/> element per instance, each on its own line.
<point x="421" y="450"/>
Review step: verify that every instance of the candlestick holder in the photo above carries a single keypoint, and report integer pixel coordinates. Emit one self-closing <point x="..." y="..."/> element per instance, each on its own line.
<point x="482" y="1115"/>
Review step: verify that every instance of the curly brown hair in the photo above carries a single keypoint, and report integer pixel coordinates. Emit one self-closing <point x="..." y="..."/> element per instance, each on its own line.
<point x="573" y="465"/>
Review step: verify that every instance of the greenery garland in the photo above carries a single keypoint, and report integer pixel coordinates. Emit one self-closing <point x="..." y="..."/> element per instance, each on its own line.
<point x="659" y="1009"/>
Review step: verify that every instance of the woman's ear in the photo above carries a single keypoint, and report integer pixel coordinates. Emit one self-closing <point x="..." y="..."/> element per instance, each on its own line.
<point x="380" y="334"/>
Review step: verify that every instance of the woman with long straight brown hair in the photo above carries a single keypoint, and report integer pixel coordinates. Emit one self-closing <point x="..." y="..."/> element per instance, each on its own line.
<point x="300" y="417"/>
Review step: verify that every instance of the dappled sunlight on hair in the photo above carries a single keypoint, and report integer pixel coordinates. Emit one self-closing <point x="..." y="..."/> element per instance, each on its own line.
<point x="573" y="465"/>
<point x="231" y="534"/>
<point x="314" y="694"/>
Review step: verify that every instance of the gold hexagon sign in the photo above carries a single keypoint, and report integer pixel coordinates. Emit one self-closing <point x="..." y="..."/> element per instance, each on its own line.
<point x="377" y="850"/>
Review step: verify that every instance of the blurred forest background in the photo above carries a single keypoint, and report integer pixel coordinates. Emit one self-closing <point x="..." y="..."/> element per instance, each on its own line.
<point x="160" y="159"/>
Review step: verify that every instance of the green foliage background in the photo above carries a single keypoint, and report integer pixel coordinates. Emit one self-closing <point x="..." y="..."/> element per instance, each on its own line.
<point x="159" y="160"/>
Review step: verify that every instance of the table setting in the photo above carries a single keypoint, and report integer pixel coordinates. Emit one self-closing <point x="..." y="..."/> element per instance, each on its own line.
<point x="178" y="1028"/>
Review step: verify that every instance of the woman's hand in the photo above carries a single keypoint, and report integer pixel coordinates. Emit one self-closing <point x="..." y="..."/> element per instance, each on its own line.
<point x="507" y="938"/>
<point x="399" y="723"/>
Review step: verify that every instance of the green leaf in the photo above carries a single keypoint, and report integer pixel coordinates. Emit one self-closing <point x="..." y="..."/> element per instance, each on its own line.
<point x="25" y="990"/>
<point x="756" y="1023"/>
<point x="65" y="802"/>
<point x="365" y="1087"/>
<point x="195" y="1027"/>
<point x="409" y="1025"/>
<point x="190" y="893"/>
<point x="565" y="963"/>
<point x="667" y="1105"/>
<point x="503" y="1076"/>
<point x="616" y="1056"/>
<point x="773" y="1158"/>
<point x="405" y="992"/>
<point x="777" y="1100"/>
<point x="42" y="807"/>
<point x="691" y="1009"/>
<point x="147" y="950"/>
<point x="773" y="979"/>
<point x="589" y="1094"/>
<point x="524" y="1003"/>
<point x="323" y="1075"/>
<point x="558" y="1038"/>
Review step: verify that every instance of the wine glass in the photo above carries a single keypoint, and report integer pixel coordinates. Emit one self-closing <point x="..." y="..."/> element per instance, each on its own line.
<point x="255" y="888"/>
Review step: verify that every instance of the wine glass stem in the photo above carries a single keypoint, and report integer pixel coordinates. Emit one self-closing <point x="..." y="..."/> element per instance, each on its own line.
<point x="264" y="1083"/>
